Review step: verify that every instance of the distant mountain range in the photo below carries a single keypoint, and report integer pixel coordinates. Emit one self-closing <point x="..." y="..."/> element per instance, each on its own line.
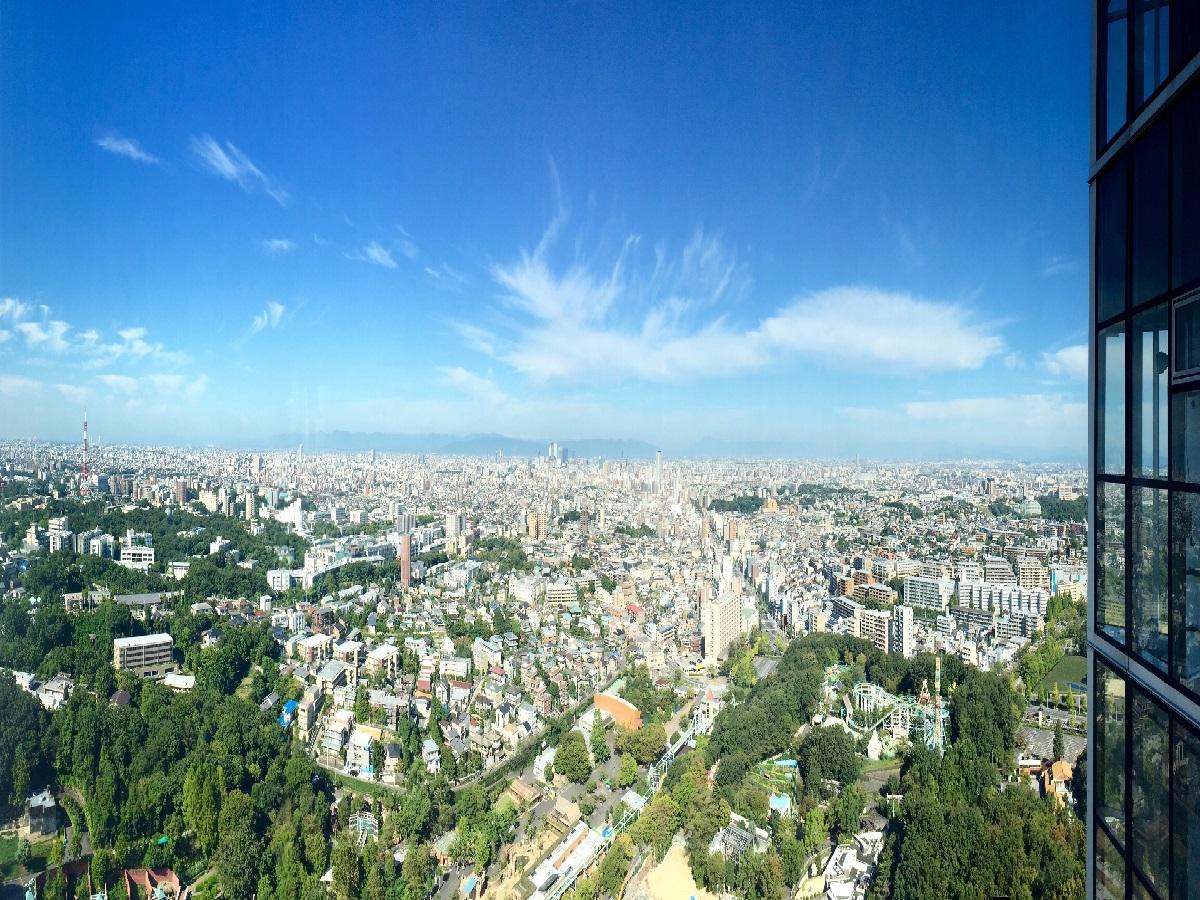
<point x="619" y="448"/>
<point x="459" y="444"/>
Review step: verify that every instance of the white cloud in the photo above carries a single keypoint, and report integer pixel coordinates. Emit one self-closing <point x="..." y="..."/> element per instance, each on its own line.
<point x="477" y="338"/>
<point x="49" y="335"/>
<point x="13" y="309"/>
<point x="407" y="245"/>
<point x="278" y="245"/>
<point x="1057" y="265"/>
<point x="580" y="322"/>
<point x="854" y="325"/>
<point x="270" y="317"/>
<point x="5" y="336"/>
<point x="74" y="393"/>
<point x="1067" y="362"/>
<point x="132" y="344"/>
<point x="1033" y="419"/>
<point x="232" y="164"/>
<point x="123" y="384"/>
<point x="16" y="385"/>
<point x="156" y="386"/>
<point x="116" y="143"/>
<point x="476" y="386"/>
<point x="375" y="253"/>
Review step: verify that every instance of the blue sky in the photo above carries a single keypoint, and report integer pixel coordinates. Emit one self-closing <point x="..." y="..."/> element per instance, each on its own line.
<point x="850" y="227"/>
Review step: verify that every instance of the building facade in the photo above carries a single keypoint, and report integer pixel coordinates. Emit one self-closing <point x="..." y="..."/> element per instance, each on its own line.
<point x="1144" y="453"/>
<point x="150" y="656"/>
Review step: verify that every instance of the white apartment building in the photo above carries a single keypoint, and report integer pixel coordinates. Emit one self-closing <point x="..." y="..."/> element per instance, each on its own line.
<point x="928" y="593"/>
<point x="137" y="550"/>
<point x="1008" y="599"/>
<point x="904" y="631"/>
<point x="721" y="621"/>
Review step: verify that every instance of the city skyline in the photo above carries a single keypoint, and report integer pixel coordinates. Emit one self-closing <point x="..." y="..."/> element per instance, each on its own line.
<point x="538" y="226"/>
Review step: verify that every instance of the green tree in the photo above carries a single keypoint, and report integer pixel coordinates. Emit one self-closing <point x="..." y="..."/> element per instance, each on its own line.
<point x="627" y="772"/>
<point x="200" y="807"/>
<point x="347" y="866"/>
<point x="571" y="757"/>
<point x="600" y="751"/>
<point x="417" y="873"/>
<point x="1058" y="751"/>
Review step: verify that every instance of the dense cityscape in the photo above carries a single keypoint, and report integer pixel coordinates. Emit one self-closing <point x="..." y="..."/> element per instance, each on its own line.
<point x="600" y="451"/>
<point x="282" y="674"/>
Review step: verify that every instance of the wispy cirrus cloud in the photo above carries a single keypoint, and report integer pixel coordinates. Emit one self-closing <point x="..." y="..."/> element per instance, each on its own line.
<point x="1058" y="265"/>
<point x="277" y="246"/>
<point x="155" y="385"/>
<point x="49" y="335"/>
<point x="17" y="385"/>
<point x="130" y="344"/>
<point x="407" y="245"/>
<point x="475" y="386"/>
<point x="116" y="143"/>
<point x="228" y="162"/>
<point x="13" y="309"/>
<point x="1067" y="362"/>
<point x="375" y="253"/>
<point x="654" y="322"/>
<point x="270" y="317"/>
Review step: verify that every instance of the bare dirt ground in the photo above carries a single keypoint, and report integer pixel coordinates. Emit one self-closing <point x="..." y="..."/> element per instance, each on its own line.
<point x="672" y="879"/>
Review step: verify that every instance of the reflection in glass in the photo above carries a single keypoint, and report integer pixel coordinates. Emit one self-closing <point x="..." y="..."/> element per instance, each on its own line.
<point x="1110" y="749"/>
<point x="1116" y="38"/>
<point x="1185" y="437"/>
<point x="1110" y="869"/>
<point x="1110" y="574"/>
<point x="1185" y="562"/>
<point x="1185" y="190"/>
<point x="1185" y="796"/>
<point x="1152" y="46"/>
<point x="1110" y="242"/>
<point x="1110" y="405"/>
<point x="1148" y="571"/>
<point x="1150" y="815"/>
<point x="1149" y="246"/>
<point x="1187" y="336"/>
<point x="1151" y="379"/>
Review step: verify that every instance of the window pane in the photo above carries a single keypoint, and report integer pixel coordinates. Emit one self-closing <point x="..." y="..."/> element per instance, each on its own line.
<point x="1151" y="378"/>
<point x="1185" y="26"/>
<point x="1148" y="567"/>
<point x="1114" y="70"/>
<point x="1187" y="336"/>
<point x="1185" y="793"/>
<point x="1110" y="574"/>
<point x="1110" y="405"/>
<point x="1152" y="43"/>
<point x="1110" y="243"/>
<point x="1185" y="561"/>
<point x="1110" y="869"/>
<point x="1149" y="818"/>
<point x="1149" y="219"/>
<point x="1185" y="208"/>
<point x="1185" y="436"/>
<point x="1109" y="767"/>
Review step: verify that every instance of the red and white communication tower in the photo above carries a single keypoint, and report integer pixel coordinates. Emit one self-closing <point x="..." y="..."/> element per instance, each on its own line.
<point x="83" y="478"/>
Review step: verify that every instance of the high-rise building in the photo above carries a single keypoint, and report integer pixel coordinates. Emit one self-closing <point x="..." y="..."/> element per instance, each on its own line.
<point x="406" y="561"/>
<point x="658" y="472"/>
<point x="1144" y="454"/>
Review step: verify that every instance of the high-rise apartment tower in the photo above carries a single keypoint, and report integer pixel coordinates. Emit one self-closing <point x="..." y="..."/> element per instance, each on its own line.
<point x="1144" y="453"/>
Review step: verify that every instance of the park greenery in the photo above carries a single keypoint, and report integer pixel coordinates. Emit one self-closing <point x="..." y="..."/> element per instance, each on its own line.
<point x="746" y="504"/>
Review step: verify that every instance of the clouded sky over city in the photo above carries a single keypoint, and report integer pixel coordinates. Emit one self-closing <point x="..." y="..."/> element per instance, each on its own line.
<point x="855" y="227"/>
